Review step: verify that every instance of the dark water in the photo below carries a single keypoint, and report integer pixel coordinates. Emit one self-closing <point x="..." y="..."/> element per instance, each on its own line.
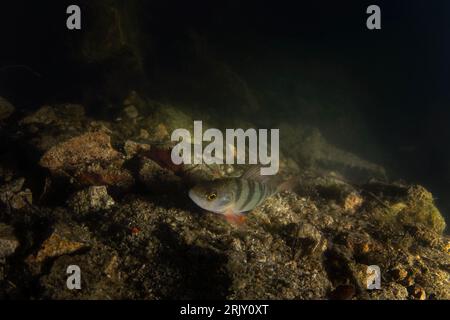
<point x="381" y="94"/>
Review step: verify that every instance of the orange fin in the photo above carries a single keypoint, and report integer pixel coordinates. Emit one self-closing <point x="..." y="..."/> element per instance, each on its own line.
<point x="234" y="218"/>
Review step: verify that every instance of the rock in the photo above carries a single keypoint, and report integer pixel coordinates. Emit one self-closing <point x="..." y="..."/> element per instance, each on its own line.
<point x="92" y="199"/>
<point x="8" y="241"/>
<point x="111" y="175"/>
<point x="399" y="273"/>
<point x="412" y="208"/>
<point x="309" y="240"/>
<point x="64" y="239"/>
<point x="143" y="134"/>
<point x="343" y="292"/>
<point x="389" y="291"/>
<point x="14" y="186"/>
<point x="131" y="112"/>
<point x="417" y="293"/>
<point x="90" y="159"/>
<point x="420" y="209"/>
<point x="59" y="115"/>
<point x="135" y="100"/>
<point x="82" y="150"/>
<point x="359" y="243"/>
<point x="407" y="281"/>
<point x="165" y="120"/>
<point x="14" y="197"/>
<point x="133" y="148"/>
<point x="101" y="277"/>
<point x="112" y="268"/>
<point x="161" y="133"/>
<point x="6" y="108"/>
<point x="352" y="202"/>
<point x="44" y="116"/>
<point x="21" y="200"/>
<point x="52" y="125"/>
<point x="157" y="178"/>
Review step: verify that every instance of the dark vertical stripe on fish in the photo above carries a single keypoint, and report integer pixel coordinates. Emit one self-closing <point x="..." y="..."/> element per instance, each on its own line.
<point x="263" y="193"/>
<point x="251" y="192"/>
<point x="265" y="188"/>
<point x="259" y="195"/>
<point x="238" y="183"/>
<point x="269" y="191"/>
<point x="256" y="196"/>
<point x="242" y="196"/>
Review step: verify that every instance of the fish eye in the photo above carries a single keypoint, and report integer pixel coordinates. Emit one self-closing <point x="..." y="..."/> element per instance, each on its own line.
<point x="211" y="196"/>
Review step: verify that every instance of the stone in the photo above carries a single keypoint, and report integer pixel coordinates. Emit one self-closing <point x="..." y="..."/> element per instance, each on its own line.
<point x="343" y="292"/>
<point x="8" y="241"/>
<point x="14" y="196"/>
<point x="310" y="239"/>
<point x="399" y="273"/>
<point x="43" y="116"/>
<point x="81" y="150"/>
<point x="6" y="109"/>
<point x="89" y="160"/>
<point x="417" y="293"/>
<point x="92" y="199"/>
<point x="389" y="291"/>
<point x="133" y="148"/>
<point x="131" y="112"/>
<point x="64" y="239"/>
<point x="352" y="202"/>
<point x="157" y="178"/>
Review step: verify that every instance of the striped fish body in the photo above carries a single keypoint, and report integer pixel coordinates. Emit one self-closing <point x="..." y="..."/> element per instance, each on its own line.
<point x="233" y="197"/>
<point x="249" y="193"/>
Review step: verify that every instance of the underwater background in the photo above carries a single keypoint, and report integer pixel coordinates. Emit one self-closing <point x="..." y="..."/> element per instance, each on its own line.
<point x="86" y="117"/>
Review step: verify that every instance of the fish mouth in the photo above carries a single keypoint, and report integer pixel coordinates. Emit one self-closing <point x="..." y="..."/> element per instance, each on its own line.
<point x="192" y="195"/>
<point x="199" y="202"/>
<point x="194" y="198"/>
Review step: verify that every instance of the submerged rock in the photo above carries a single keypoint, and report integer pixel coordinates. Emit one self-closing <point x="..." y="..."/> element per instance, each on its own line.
<point x="14" y="196"/>
<point x="352" y="202"/>
<point x="420" y="209"/>
<point x="158" y="179"/>
<point x="8" y="241"/>
<point x="133" y="148"/>
<point x="92" y="199"/>
<point x="64" y="239"/>
<point x="82" y="150"/>
<point x="44" y="116"/>
<point x="414" y="206"/>
<point x="6" y="108"/>
<point x="100" y="278"/>
<point x="418" y="293"/>
<point x="90" y="160"/>
<point x="51" y="125"/>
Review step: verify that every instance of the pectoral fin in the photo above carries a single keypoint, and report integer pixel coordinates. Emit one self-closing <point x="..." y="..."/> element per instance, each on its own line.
<point x="234" y="218"/>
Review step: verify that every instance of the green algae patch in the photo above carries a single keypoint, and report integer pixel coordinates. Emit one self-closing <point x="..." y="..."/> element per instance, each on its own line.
<point x="415" y="208"/>
<point x="420" y="209"/>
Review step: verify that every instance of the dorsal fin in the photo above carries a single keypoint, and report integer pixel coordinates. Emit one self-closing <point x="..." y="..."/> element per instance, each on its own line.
<point x="254" y="173"/>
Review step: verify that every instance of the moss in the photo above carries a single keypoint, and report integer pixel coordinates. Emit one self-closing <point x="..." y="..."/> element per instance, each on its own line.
<point x="420" y="209"/>
<point x="416" y="208"/>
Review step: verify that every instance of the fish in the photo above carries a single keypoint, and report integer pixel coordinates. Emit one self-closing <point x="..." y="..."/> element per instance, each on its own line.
<point x="235" y="197"/>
